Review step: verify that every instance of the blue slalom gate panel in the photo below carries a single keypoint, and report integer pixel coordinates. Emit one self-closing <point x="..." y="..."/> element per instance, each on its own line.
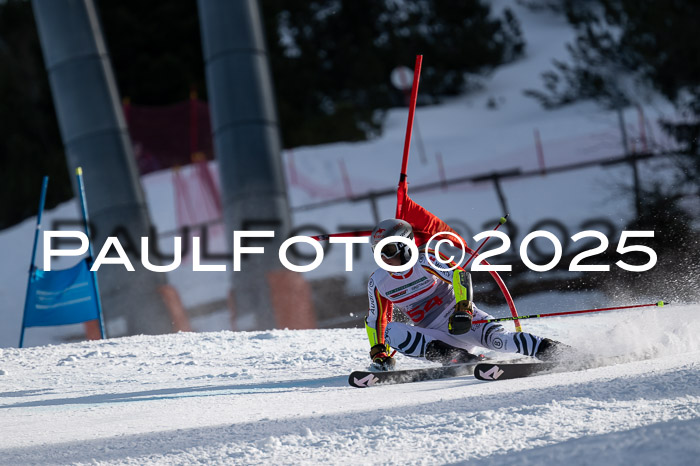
<point x="60" y="297"/>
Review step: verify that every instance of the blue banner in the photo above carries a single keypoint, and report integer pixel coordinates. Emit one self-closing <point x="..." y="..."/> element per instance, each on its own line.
<point x="61" y="297"/>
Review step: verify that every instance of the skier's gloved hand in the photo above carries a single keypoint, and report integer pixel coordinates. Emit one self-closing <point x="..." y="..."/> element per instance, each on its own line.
<point x="461" y="319"/>
<point x="380" y="359"/>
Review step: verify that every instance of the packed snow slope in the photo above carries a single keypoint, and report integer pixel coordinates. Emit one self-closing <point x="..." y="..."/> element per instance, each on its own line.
<point x="281" y="397"/>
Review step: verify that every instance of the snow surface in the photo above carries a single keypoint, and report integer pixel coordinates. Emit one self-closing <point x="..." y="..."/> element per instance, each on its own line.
<point x="281" y="397"/>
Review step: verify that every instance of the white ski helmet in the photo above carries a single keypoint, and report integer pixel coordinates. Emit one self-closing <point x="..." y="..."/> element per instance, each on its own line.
<point x="392" y="227"/>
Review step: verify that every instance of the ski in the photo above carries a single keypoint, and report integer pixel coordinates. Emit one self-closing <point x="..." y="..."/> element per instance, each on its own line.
<point x="498" y="371"/>
<point x="363" y="379"/>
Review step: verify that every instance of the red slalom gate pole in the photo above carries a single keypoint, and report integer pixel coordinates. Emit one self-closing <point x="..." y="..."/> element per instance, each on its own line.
<point x="554" y="314"/>
<point x="503" y="220"/>
<point x="341" y="235"/>
<point x="401" y="191"/>
<point x="506" y="294"/>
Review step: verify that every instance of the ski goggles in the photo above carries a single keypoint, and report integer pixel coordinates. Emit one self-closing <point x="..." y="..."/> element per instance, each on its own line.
<point x="391" y="250"/>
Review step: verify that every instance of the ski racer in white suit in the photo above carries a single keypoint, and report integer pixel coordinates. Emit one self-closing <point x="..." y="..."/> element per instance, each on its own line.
<point x="441" y="329"/>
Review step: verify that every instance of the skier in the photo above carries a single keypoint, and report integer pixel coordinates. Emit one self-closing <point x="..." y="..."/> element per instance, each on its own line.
<point x="442" y="329"/>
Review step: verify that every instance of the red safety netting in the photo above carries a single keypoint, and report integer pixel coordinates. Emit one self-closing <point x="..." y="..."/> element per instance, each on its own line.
<point x="169" y="136"/>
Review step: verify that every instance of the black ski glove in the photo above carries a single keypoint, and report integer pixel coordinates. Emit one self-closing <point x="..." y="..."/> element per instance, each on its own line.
<point x="380" y="359"/>
<point x="461" y="318"/>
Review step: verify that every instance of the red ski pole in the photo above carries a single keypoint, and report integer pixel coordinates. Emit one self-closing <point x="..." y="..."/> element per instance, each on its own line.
<point x="503" y="220"/>
<point x="553" y="314"/>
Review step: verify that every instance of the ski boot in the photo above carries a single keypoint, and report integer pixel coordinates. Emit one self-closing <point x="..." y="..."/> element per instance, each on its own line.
<point x="441" y="352"/>
<point x="551" y="350"/>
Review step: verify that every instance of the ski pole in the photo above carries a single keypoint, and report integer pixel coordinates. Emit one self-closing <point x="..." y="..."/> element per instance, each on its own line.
<point x="342" y="235"/>
<point x="503" y="220"/>
<point x="553" y="314"/>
